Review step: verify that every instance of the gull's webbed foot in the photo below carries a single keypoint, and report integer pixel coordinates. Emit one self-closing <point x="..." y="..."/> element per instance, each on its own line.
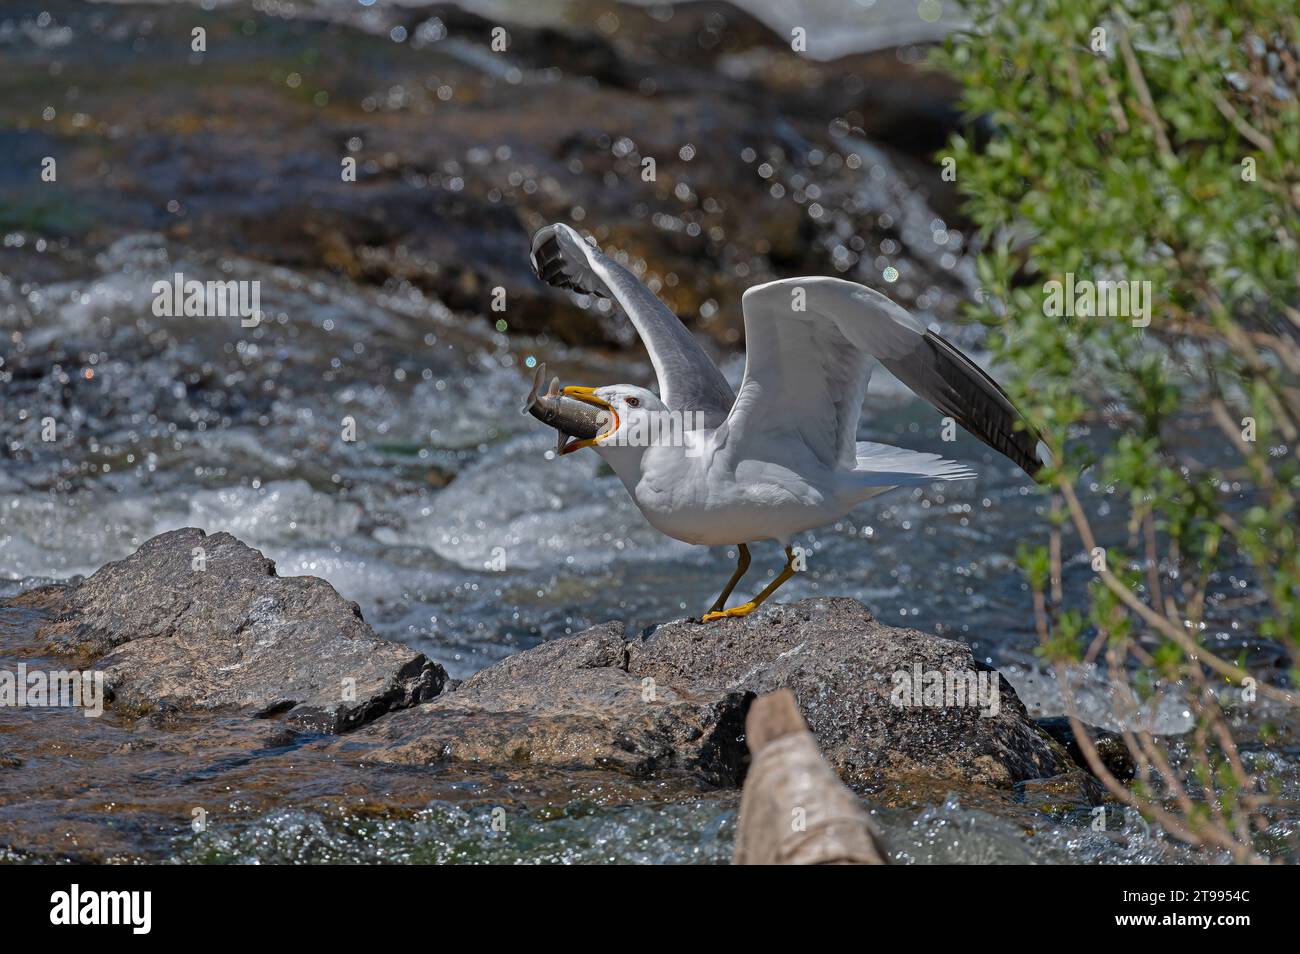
<point x="744" y="609"/>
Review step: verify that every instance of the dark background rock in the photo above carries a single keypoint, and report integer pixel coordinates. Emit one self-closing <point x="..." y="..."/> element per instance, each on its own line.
<point x="234" y="635"/>
<point x="463" y="152"/>
<point x="1113" y="752"/>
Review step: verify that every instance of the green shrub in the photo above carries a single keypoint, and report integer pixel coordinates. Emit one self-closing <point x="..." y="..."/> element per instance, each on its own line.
<point x="1154" y="143"/>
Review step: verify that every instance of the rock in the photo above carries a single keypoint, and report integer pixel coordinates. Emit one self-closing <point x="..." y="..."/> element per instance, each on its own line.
<point x="568" y="703"/>
<point x="1110" y="747"/>
<point x="71" y="787"/>
<point x="675" y="702"/>
<point x="192" y="622"/>
<point x="1071" y="792"/>
<point x="200" y="622"/>
<point x="841" y="665"/>
<point x="795" y="811"/>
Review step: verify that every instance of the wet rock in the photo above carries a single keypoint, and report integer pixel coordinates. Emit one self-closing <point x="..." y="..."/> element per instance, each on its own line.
<point x="71" y="786"/>
<point x="843" y="666"/>
<point x="198" y="622"/>
<point x="51" y="596"/>
<point x="192" y="622"/>
<point x="1074" y="791"/>
<point x="568" y="703"/>
<point x="675" y="701"/>
<point x="1111" y="749"/>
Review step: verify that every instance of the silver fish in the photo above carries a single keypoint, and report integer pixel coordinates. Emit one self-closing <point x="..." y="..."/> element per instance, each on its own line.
<point x="574" y="419"/>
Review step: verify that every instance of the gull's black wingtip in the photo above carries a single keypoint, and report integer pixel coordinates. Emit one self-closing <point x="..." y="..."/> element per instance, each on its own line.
<point x="552" y="265"/>
<point x="960" y="388"/>
<point x="548" y="260"/>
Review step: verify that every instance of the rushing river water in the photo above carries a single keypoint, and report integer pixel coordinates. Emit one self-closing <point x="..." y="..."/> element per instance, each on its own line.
<point x="449" y="518"/>
<point x="369" y="434"/>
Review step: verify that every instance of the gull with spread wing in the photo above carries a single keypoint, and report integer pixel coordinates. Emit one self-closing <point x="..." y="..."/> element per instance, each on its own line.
<point x="781" y="456"/>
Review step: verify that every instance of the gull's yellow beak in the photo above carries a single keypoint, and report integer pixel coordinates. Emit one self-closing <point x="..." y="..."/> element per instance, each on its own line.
<point x="588" y="396"/>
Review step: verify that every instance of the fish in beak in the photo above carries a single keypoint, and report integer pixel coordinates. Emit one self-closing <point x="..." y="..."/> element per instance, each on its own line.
<point x="606" y="414"/>
<point x="575" y="413"/>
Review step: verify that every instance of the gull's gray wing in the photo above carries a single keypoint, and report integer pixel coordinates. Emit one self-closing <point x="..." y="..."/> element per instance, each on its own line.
<point x="810" y="345"/>
<point x="688" y="378"/>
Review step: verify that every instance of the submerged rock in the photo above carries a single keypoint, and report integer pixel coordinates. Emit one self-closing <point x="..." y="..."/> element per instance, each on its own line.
<point x="200" y="622"/>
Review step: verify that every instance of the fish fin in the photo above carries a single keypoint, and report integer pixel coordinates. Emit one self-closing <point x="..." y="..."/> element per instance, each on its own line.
<point x="532" y="392"/>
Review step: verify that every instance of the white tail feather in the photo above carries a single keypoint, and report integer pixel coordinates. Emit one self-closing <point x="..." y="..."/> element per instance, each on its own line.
<point x="880" y="465"/>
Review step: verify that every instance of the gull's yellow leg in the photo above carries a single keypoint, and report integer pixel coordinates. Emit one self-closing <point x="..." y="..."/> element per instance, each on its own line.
<point x="744" y="609"/>
<point x="742" y="564"/>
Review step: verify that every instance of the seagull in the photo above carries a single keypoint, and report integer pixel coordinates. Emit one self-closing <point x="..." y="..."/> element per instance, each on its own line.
<point x="716" y="468"/>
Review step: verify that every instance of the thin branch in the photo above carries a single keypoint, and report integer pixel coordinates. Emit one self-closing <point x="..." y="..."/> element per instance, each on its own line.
<point x="1154" y="619"/>
<point x="1143" y="93"/>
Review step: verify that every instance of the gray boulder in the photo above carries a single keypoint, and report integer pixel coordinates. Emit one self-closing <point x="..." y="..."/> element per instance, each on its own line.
<point x="676" y="701"/>
<point x="201" y="622"/>
<point x="569" y="703"/>
<point x="847" y="672"/>
<point x="193" y="622"/>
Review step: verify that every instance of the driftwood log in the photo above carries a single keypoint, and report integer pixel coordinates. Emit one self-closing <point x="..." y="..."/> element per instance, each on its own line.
<point x="795" y="810"/>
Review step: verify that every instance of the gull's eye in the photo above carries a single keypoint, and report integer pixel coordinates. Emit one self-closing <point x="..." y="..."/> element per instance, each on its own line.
<point x="633" y="402"/>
